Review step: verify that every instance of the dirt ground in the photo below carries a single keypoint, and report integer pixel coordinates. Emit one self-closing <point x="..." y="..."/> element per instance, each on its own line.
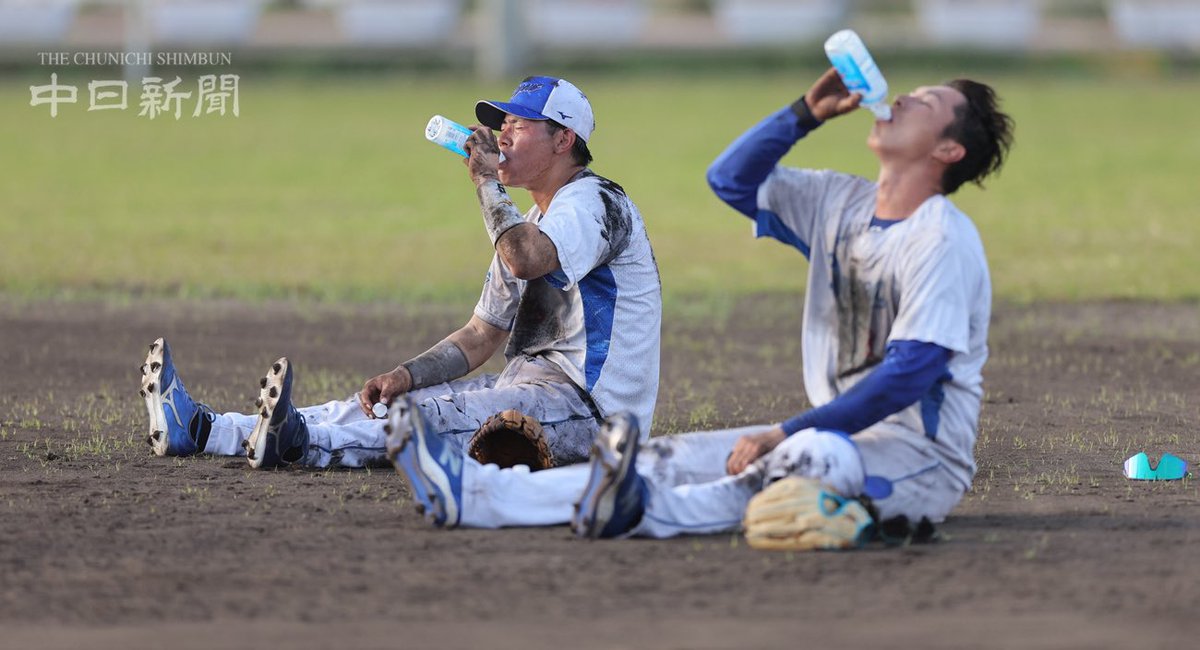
<point x="104" y="545"/>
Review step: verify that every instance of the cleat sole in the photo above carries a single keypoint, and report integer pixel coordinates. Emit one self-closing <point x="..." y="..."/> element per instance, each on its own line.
<point x="267" y="400"/>
<point x="151" y="373"/>
<point x="611" y="458"/>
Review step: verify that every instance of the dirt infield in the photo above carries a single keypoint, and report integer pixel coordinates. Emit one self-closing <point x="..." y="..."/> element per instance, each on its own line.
<point x="103" y="545"/>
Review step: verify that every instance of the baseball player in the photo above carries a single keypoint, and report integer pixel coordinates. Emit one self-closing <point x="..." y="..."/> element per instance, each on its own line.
<point x="573" y="288"/>
<point x="894" y="340"/>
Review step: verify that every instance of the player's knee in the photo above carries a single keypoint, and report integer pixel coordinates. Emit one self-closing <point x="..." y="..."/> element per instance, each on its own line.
<point x="828" y="456"/>
<point x="930" y="495"/>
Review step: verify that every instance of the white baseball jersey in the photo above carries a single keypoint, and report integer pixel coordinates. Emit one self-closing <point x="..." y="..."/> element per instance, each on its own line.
<point x="598" y="317"/>
<point x="924" y="278"/>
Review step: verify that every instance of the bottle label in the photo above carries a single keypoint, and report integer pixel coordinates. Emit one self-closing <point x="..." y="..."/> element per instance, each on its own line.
<point x="851" y="75"/>
<point x="448" y="134"/>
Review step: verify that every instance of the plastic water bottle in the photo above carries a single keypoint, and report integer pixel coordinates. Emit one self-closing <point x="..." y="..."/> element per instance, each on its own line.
<point x="447" y="133"/>
<point x="853" y="62"/>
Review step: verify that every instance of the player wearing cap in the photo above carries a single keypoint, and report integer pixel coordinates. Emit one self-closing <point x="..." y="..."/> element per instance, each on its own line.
<point x="573" y="289"/>
<point x="894" y="340"/>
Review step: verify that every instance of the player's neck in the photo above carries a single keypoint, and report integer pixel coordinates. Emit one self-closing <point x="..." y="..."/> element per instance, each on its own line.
<point x="543" y="192"/>
<point x="903" y="188"/>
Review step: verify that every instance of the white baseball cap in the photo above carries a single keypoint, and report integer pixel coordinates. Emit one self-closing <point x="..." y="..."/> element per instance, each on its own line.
<point x="542" y="98"/>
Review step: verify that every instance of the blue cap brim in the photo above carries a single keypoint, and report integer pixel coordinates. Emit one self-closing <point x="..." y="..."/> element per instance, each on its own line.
<point x="491" y="114"/>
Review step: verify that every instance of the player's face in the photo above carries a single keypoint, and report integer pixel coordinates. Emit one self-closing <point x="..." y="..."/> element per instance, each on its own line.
<point x="528" y="148"/>
<point x="918" y="121"/>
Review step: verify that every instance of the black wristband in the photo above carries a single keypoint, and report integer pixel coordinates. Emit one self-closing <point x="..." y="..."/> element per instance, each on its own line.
<point x="804" y="116"/>
<point x="441" y="363"/>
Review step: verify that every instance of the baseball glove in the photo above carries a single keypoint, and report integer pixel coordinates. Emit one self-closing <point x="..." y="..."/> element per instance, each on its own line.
<point x="798" y="514"/>
<point x="511" y="438"/>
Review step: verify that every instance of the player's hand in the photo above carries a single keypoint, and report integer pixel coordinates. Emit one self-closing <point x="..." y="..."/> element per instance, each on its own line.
<point x="829" y="98"/>
<point x="484" y="158"/>
<point x="751" y="447"/>
<point x="383" y="389"/>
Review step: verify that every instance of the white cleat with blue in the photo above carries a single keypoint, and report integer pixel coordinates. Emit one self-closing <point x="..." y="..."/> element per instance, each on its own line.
<point x="432" y="466"/>
<point x="179" y="425"/>
<point x="280" y="437"/>
<point x="614" y="499"/>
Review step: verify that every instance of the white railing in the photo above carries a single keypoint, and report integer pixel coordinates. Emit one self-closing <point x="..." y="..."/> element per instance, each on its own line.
<point x="36" y="21"/>
<point x="1157" y="23"/>
<point x="990" y="24"/>
<point x="1012" y="25"/>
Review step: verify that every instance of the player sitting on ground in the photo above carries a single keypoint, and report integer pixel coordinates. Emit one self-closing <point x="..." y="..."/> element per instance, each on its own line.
<point x="894" y="341"/>
<point x="573" y="288"/>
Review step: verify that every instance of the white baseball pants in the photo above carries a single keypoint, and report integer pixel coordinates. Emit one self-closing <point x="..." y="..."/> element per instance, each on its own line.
<point x="690" y="493"/>
<point x="341" y="434"/>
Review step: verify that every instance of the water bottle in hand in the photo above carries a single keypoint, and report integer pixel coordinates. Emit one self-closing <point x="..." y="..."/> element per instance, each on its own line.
<point x="449" y="134"/>
<point x="849" y="55"/>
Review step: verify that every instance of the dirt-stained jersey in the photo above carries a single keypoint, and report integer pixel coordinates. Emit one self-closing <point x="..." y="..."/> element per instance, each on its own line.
<point x="599" y="316"/>
<point x="923" y="278"/>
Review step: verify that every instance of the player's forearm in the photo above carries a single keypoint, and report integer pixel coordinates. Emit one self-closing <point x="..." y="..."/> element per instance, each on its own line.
<point x="907" y="373"/>
<point x="478" y="341"/>
<point x="499" y="213"/>
<point x="738" y="172"/>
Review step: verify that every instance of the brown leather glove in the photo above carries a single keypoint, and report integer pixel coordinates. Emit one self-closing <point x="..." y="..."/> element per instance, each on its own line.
<point x="511" y="438"/>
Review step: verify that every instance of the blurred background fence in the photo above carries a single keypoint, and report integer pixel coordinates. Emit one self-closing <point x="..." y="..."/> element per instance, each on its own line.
<point x="501" y="37"/>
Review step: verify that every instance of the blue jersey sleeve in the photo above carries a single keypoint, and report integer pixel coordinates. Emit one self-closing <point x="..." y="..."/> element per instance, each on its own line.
<point x="738" y="172"/>
<point x="910" y="370"/>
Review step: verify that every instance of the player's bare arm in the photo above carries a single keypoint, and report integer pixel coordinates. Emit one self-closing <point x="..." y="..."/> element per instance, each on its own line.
<point x="478" y="340"/>
<point x="461" y="352"/>
<point x="527" y="252"/>
<point x="523" y="248"/>
<point x="750" y="448"/>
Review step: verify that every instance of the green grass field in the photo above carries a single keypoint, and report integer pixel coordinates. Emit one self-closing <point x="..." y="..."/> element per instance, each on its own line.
<point x="324" y="187"/>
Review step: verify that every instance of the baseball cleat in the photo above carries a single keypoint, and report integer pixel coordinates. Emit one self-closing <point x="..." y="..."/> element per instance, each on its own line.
<point x="432" y="466"/>
<point x="280" y="437"/>
<point x="179" y="425"/>
<point x="613" y="501"/>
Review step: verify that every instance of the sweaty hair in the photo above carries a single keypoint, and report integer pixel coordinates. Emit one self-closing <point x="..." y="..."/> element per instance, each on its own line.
<point x="982" y="129"/>
<point x="579" y="152"/>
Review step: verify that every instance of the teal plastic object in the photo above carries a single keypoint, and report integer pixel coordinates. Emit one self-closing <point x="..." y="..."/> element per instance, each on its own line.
<point x="1170" y="468"/>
